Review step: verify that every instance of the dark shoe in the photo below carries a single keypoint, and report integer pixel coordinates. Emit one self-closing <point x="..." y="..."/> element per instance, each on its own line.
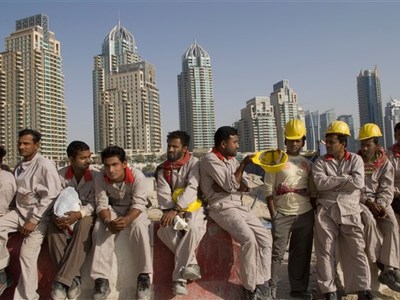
<point x="249" y="295"/>
<point x="301" y="295"/>
<point x="3" y="281"/>
<point x="389" y="278"/>
<point x="273" y="288"/>
<point x="365" y="295"/>
<point x="263" y="292"/>
<point x="179" y="288"/>
<point x="101" y="289"/>
<point x="74" y="290"/>
<point x="191" y="272"/>
<point x="331" y="296"/>
<point x="59" y="291"/>
<point x="144" y="290"/>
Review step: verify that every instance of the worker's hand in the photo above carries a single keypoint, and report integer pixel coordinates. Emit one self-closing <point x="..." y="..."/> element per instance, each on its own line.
<point x="168" y="218"/>
<point x="27" y="228"/>
<point x="72" y="216"/>
<point x="60" y="222"/>
<point x="248" y="159"/>
<point x="377" y="210"/>
<point x="117" y="224"/>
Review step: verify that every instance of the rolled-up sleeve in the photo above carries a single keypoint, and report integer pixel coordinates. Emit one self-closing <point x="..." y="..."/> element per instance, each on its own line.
<point x="47" y="190"/>
<point x="101" y="198"/>
<point x="139" y="191"/>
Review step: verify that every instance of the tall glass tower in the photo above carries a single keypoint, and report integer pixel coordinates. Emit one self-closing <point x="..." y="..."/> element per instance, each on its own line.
<point x="196" y="97"/>
<point x="286" y="107"/>
<point x="125" y="96"/>
<point x="32" y="88"/>
<point x="370" y="99"/>
<point x="392" y="117"/>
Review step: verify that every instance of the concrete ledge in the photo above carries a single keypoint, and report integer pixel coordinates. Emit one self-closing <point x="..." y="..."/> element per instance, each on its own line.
<point x="217" y="257"/>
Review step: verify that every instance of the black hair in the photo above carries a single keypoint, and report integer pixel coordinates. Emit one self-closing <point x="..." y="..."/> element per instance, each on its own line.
<point x="75" y="147"/>
<point x="341" y="137"/>
<point x="3" y="153"/>
<point x="223" y="134"/>
<point x="36" y="135"/>
<point x="397" y="126"/>
<point x="112" y="151"/>
<point x="179" y="134"/>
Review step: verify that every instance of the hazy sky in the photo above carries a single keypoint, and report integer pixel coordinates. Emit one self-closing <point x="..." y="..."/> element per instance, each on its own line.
<point x="320" y="47"/>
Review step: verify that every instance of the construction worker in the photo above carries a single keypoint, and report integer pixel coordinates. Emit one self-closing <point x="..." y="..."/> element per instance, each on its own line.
<point x="178" y="179"/>
<point x="120" y="205"/>
<point x="69" y="251"/>
<point x="339" y="178"/>
<point x="288" y="194"/>
<point x="394" y="156"/>
<point x="38" y="185"/>
<point x="8" y="186"/>
<point x="377" y="195"/>
<point x="222" y="182"/>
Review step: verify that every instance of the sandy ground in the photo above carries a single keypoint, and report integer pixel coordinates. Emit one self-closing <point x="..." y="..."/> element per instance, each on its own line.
<point x="255" y="198"/>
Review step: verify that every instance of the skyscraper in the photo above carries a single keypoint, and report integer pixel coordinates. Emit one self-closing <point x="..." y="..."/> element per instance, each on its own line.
<point x="257" y="129"/>
<point x="325" y="119"/>
<point x="312" y="121"/>
<point x="392" y="117"/>
<point x="370" y="99"/>
<point x="284" y="101"/>
<point x="126" y="102"/>
<point x="196" y="97"/>
<point x="32" y="88"/>
<point x="352" y="144"/>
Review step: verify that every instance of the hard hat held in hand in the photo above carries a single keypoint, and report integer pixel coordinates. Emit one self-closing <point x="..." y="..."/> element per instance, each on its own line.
<point x="193" y="206"/>
<point x="369" y="130"/>
<point x="295" y="129"/>
<point x="271" y="160"/>
<point x="338" y="127"/>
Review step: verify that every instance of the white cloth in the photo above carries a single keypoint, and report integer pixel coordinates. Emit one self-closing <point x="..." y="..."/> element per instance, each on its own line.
<point x="68" y="200"/>
<point x="180" y="224"/>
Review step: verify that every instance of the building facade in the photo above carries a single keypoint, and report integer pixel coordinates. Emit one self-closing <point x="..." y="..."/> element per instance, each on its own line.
<point x="325" y="119"/>
<point x="196" y="97"/>
<point x="392" y="117"/>
<point x="370" y="99"/>
<point x="256" y="127"/>
<point x="126" y="104"/>
<point x="32" y="89"/>
<point x="352" y="143"/>
<point x="312" y="121"/>
<point x="284" y="100"/>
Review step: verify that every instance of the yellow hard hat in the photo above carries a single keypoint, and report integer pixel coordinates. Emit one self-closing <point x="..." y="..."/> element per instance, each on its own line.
<point x="368" y="131"/>
<point x="270" y="160"/>
<point x="193" y="206"/>
<point x="338" y="127"/>
<point x="295" y="129"/>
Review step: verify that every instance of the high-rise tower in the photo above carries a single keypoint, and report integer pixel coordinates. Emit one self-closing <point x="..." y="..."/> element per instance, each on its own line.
<point x="392" y="117"/>
<point x="196" y="97"/>
<point x="370" y="99"/>
<point x="257" y="128"/>
<point x="125" y="96"/>
<point x="286" y="107"/>
<point x="32" y="88"/>
<point x="352" y="143"/>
